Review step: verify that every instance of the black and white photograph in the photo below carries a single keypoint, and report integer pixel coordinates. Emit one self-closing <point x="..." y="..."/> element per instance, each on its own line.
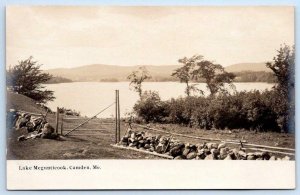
<point x="161" y="83"/>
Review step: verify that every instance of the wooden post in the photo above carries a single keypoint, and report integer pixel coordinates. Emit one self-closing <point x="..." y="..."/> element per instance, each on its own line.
<point x="57" y="120"/>
<point x="119" y="119"/>
<point x="62" y="125"/>
<point x="116" y="116"/>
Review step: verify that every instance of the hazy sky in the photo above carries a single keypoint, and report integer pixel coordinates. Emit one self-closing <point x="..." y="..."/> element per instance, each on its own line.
<point x="76" y="36"/>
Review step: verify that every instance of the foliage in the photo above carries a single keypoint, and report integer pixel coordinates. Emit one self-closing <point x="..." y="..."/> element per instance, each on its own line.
<point x="255" y="76"/>
<point x="58" y="80"/>
<point x="214" y="74"/>
<point x="137" y="78"/>
<point x="185" y="73"/>
<point x="196" y="68"/>
<point x="252" y="110"/>
<point x="27" y="78"/>
<point x="283" y="67"/>
<point x="151" y="108"/>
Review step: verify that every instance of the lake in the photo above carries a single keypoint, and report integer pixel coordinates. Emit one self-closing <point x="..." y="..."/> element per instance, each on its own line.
<point x="90" y="97"/>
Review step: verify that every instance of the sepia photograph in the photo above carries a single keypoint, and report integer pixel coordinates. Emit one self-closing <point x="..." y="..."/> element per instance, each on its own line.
<point x="150" y="83"/>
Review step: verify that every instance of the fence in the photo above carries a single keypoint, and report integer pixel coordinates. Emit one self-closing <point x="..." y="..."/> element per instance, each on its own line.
<point x="93" y="126"/>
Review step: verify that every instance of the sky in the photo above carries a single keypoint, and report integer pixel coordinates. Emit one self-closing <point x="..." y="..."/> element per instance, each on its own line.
<point x="70" y="36"/>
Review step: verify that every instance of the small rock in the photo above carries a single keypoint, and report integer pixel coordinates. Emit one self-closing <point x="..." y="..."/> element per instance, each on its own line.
<point x="21" y="138"/>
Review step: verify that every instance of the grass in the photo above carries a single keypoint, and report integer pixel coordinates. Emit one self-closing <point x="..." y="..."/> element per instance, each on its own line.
<point x="98" y="145"/>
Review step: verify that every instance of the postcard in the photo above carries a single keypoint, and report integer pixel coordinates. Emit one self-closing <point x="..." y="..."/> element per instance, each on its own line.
<point x="150" y="97"/>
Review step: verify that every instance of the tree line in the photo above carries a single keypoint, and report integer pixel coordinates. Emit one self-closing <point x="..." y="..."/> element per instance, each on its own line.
<point x="269" y="110"/>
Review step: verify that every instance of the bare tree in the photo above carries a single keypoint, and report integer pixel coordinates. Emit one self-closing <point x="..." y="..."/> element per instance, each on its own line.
<point x="137" y="78"/>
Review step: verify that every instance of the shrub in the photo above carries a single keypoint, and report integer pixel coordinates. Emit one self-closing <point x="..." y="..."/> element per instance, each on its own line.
<point x="151" y="108"/>
<point x="252" y="110"/>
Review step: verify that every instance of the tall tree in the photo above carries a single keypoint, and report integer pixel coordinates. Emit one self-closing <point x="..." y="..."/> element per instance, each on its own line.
<point x="27" y="78"/>
<point x="137" y="78"/>
<point x="283" y="67"/>
<point x="184" y="73"/>
<point x="214" y="75"/>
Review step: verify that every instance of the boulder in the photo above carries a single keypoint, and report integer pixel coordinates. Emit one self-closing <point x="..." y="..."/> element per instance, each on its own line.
<point x="179" y="157"/>
<point x="160" y="148"/>
<point x="221" y="145"/>
<point x="223" y="153"/>
<point x="147" y="146"/>
<point x="191" y="155"/>
<point x="47" y="131"/>
<point x="251" y="157"/>
<point x="215" y="152"/>
<point x="132" y="135"/>
<point x="228" y="157"/>
<point x="286" y="158"/>
<point x="242" y="155"/>
<point x="272" y="158"/>
<point x="209" y="157"/>
<point x="266" y="156"/>
<point x="212" y="145"/>
<point x="176" y="151"/>
<point x="185" y="151"/>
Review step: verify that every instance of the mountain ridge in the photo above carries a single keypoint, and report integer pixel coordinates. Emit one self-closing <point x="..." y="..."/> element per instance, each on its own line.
<point x="102" y="72"/>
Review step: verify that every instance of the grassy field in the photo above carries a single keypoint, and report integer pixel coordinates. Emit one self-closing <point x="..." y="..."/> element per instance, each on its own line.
<point x="98" y="145"/>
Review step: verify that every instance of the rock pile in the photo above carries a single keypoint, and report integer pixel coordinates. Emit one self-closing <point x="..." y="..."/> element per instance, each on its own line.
<point x="37" y="127"/>
<point x="179" y="150"/>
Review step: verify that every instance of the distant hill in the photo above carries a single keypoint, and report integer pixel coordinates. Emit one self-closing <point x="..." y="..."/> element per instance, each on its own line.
<point x="115" y="73"/>
<point x="99" y="72"/>
<point x="247" y="67"/>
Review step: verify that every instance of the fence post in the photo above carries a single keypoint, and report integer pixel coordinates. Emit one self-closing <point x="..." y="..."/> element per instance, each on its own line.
<point x="57" y="118"/>
<point x="119" y="119"/>
<point x="116" y="116"/>
<point x="62" y="125"/>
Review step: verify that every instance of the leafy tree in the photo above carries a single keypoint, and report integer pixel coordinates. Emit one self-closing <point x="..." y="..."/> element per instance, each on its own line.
<point x="283" y="67"/>
<point x="184" y="73"/>
<point x="214" y="75"/>
<point x="137" y="78"/>
<point x="27" y="78"/>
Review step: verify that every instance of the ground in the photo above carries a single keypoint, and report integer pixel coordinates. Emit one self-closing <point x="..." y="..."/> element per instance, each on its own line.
<point x="98" y="144"/>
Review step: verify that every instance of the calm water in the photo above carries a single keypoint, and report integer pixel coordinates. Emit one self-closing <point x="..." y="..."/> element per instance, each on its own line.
<point x="91" y="97"/>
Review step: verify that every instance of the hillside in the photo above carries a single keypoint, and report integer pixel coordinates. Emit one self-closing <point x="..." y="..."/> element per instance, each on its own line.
<point x="99" y="72"/>
<point x="256" y="67"/>
<point x="21" y="102"/>
<point x="114" y="73"/>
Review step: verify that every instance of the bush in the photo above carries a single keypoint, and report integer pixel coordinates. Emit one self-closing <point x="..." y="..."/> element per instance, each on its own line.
<point x="242" y="110"/>
<point x="151" y="108"/>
